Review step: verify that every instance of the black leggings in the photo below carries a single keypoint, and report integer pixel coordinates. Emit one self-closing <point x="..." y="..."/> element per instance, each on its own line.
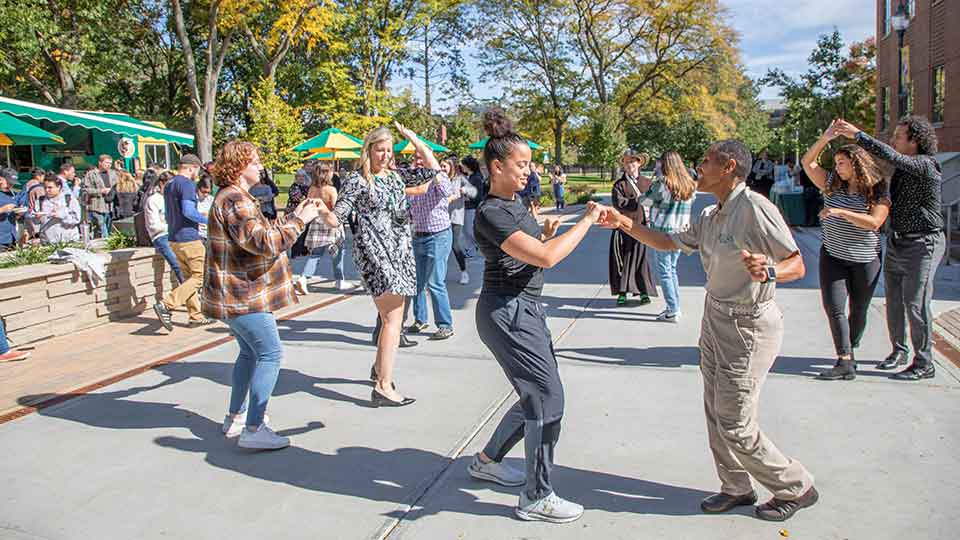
<point x="458" y="246"/>
<point x="838" y="280"/>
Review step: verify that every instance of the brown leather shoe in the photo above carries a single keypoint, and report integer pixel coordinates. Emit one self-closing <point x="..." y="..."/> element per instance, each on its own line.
<point x="782" y="510"/>
<point x="722" y="502"/>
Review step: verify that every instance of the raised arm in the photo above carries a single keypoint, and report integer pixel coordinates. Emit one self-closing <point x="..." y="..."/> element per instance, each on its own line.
<point x="809" y="160"/>
<point x="546" y="254"/>
<point x="429" y="160"/>
<point x="915" y="165"/>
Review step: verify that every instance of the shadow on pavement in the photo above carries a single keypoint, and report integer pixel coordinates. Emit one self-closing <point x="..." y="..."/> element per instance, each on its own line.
<point x="398" y="476"/>
<point x="675" y="357"/>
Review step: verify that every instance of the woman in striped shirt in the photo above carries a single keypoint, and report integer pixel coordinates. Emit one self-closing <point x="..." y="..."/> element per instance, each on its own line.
<point x="856" y="202"/>
<point x="672" y="194"/>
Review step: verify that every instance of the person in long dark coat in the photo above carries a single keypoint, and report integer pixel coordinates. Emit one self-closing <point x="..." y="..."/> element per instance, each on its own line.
<point x="630" y="261"/>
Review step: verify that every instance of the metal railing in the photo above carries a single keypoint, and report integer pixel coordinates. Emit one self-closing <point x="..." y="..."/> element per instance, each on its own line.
<point x="951" y="187"/>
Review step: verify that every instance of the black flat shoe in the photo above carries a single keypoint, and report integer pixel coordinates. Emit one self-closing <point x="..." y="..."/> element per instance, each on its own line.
<point x="782" y="510"/>
<point x="721" y="502"/>
<point x="844" y="370"/>
<point x="895" y="360"/>
<point x="380" y="400"/>
<point x="915" y="373"/>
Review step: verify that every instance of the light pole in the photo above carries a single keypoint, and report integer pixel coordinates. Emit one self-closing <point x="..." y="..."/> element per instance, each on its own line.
<point x="900" y="21"/>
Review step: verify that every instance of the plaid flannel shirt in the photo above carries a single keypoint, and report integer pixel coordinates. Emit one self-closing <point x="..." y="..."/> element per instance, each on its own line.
<point x="246" y="269"/>
<point x="431" y="210"/>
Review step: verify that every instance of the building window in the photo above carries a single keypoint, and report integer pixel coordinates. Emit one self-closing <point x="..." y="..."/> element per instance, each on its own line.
<point x="157" y="154"/>
<point x="885" y="16"/>
<point x="884" y="108"/>
<point x="939" y="89"/>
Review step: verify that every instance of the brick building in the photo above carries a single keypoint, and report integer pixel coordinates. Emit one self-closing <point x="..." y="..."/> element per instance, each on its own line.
<point x="931" y="75"/>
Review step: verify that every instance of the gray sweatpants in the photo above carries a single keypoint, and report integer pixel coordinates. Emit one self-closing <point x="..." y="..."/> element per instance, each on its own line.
<point x="909" y="268"/>
<point x="514" y="328"/>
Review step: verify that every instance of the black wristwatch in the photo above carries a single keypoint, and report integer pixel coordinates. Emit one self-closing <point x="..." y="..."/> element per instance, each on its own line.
<point x="771" y="274"/>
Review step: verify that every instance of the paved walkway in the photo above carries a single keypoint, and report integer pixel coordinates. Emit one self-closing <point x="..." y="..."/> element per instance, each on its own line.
<point x="144" y="457"/>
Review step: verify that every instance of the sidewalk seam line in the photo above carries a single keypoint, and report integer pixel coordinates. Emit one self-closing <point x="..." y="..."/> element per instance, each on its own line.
<point x="63" y="397"/>
<point x="393" y="525"/>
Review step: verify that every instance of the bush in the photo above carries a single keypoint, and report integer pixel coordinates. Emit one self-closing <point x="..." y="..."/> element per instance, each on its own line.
<point x="34" y="254"/>
<point x="119" y="240"/>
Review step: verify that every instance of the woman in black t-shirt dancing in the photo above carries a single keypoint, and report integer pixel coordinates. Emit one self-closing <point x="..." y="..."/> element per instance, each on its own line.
<point x="512" y="323"/>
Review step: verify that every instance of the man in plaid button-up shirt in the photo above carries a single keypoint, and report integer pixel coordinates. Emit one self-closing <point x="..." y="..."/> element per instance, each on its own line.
<point x="432" y="242"/>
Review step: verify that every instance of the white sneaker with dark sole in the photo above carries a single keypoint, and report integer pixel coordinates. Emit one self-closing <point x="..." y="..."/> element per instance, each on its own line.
<point x="666" y="316"/>
<point x="262" y="439"/>
<point x="551" y="509"/>
<point x="496" y="472"/>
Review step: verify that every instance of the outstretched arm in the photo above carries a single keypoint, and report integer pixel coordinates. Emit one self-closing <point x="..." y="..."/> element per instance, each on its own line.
<point x="533" y="251"/>
<point x="809" y="160"/>
<point x="910" y="164"/>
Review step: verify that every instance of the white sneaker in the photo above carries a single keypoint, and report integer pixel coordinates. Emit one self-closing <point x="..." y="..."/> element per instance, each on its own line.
<point x="496" y="472"/>
<point x="233" y="425"/>
<point x="464" y="278"/>
<point x="344" y="285"/>
<point x="666" y="316"/>
<point x="300" y="285"/>
<point x="262" y="439"/>
<point x="550" y="508"/>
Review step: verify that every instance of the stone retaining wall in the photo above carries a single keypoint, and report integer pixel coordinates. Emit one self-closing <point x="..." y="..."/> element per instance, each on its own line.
<point x="44" y="300"/>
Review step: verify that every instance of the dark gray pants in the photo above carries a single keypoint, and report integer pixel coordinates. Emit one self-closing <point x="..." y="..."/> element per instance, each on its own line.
<point x="909" y="268"/>
<point x="515" y="330"/>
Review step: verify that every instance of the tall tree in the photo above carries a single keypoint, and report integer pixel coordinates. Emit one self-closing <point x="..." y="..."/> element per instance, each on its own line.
<point x="528" y="44"/>
<point x="276" y="128"/>
<point x="274" y="27"/>
<point x="839" y="83"/>
<point x="605" y="140"/>
<point x="634" y="48"/>
<point x="61" y="49"/>
<point x="436" y="56"/>
<point x="203" y="103"/>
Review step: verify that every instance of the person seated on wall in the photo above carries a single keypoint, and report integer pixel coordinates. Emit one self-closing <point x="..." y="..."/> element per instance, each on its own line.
<point x="57" y="214"/>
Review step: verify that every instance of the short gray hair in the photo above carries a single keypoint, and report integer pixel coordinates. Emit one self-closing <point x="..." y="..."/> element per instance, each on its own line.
<point x="733" y="149"/>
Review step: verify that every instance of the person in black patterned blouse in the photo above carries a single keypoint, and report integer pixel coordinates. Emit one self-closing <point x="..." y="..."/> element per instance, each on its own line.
<point x="916" y="242"/>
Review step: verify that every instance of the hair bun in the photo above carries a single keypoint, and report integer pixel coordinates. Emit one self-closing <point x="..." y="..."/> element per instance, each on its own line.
<point x="496" y="123"/>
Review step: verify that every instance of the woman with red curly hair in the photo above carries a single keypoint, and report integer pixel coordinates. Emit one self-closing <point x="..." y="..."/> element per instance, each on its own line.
<point x="247" y="279"/>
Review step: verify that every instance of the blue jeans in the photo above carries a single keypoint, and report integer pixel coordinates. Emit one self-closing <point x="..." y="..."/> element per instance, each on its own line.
<point x="4" y="346"/>
<point x="162" y="245"/>
<point x="667" y="272"/>
<point x="258" y="364"/>
<point x="101" y="221"/>
<point x="308" y="264"/>
<point x="431" y="254"/>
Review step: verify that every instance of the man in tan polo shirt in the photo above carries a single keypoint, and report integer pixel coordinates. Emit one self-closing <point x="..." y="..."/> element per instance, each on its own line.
<point x="746" y="247"/>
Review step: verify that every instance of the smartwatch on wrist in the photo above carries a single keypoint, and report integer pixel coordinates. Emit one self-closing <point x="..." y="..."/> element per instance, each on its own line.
<point x="771" y="274"/>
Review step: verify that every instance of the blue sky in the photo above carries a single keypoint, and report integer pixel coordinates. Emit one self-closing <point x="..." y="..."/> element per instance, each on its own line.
<point x="774" y="33"/>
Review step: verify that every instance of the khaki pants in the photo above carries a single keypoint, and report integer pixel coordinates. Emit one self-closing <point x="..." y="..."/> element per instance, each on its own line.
<point x="736" y="352"/>
<point x="190" y="255"/>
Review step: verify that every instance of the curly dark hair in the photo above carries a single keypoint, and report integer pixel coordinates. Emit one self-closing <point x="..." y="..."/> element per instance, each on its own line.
<point x="920" y="131"/>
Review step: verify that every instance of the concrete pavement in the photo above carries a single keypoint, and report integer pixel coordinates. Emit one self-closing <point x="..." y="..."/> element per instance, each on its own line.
<point x="144" y="458"/>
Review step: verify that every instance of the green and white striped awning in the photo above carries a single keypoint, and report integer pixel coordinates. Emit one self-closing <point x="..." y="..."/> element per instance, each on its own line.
<point x="114" y="123"/>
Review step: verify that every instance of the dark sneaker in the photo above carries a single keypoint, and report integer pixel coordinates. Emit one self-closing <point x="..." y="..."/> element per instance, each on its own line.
<point x="721" y="502"/>
<point x="782" y="510"/>
<point x="644" y="299"/>
<point x="166" y="319"/>
<point x="845" y="370"/>
<point x="915" y="372"/>
<point x="406" y="343"/>
<point x="442" y="333"/>
<point x="622" y="300"/>
<point x="893" y="361"/>
<point x="416" y="327"/>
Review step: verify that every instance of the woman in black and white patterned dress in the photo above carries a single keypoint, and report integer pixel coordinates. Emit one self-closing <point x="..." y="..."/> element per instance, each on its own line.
<point x="383" y="250"/>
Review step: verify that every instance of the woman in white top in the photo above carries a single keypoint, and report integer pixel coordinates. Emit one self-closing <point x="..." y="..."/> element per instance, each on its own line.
<point x="57" y="213"/>
<point x="204" y="201"/>
<point x="461" y="188"/>
<point x="155" y="217"/>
